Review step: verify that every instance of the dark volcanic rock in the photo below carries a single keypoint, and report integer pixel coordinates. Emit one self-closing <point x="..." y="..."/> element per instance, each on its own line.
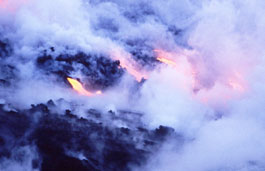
<point x="67" y="142"/>
<point x="13" y="126"/>
<point x="139" y="12"/>
<point x="142" y="53"/>
<point x="7" y="71"/>
<point x="98" y="72"/>
<point x="5" y="49"/>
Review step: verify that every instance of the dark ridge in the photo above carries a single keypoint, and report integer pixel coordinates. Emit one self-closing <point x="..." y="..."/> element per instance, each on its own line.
<point x="5" y="49"/>
<point x="138" y="13"/>
<point x="174" y="30"/>
<point x="142" y="53"/>
<point x="7" y="71"/>
<point x="97" y="72"/>
<point x="13" y="126"/>
<point x="60" y="139"/>
<point x="107" y="24"/>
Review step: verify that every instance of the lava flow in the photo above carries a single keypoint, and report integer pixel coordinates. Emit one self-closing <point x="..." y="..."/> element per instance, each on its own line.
<point x="166" y="61"/>
<point x="164" y="57"/>
<point x="134" y="72"/>
<point x="77" y="86"/>
<point x="128" y="64"/>
<point x="233" y="83"/>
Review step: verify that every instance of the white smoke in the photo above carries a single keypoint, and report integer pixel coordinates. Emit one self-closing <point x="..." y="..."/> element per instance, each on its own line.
<point x="225" y="41"/>
<point x="228" y="37"/>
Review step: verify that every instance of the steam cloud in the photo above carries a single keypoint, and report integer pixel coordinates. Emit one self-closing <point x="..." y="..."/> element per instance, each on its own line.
<point x="212" y="94"/>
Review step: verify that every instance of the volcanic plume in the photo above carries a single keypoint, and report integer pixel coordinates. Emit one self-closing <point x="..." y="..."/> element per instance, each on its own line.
<point x="132" y="85"/>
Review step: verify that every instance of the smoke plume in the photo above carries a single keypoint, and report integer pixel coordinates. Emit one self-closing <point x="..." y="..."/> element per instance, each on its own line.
<point x="160" y="85"/>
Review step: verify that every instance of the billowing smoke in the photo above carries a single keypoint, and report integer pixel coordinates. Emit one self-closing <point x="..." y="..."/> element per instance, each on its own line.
<point x="132" y="85"/>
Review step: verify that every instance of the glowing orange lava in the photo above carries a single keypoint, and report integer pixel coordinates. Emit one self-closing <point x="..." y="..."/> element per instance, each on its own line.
<point x="165" y="57"/>
<point x="129" y="64"/>
<point x="133" y="71"/>
<point x="166" y="61"/>
<point x="230" y="85"/>
<point x="77" y="86"/>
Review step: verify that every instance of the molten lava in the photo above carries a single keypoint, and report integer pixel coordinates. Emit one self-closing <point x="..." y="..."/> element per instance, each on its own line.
<point x="165" y="57"/>
<point x="231" y="85"/>
<point x="129" y="64"/>
<point x="166" y="61"/>
<point x="138" y="75"/>
<point x="77" y="86"/>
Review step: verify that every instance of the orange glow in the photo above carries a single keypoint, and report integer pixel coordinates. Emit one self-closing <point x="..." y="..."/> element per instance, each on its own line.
<point x="77" y="86"/>
<point x="129" y="64"/>
<point x="11" y="6"/>
<point x="133" y="71"/>
<point x="230" y="88"/>
<point x="98" y="92"/>
<point x="227" y="87"/>
<point x="165" y="57"/>
<point x="166" y="61"/>
<point x="236" y="82"/>
<point x="179" y="62"/>
<point x="3" y="4"/>
<point x="235" y="85"/>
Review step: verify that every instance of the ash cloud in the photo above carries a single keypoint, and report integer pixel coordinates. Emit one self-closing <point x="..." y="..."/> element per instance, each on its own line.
<point x="209" y="90"/>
